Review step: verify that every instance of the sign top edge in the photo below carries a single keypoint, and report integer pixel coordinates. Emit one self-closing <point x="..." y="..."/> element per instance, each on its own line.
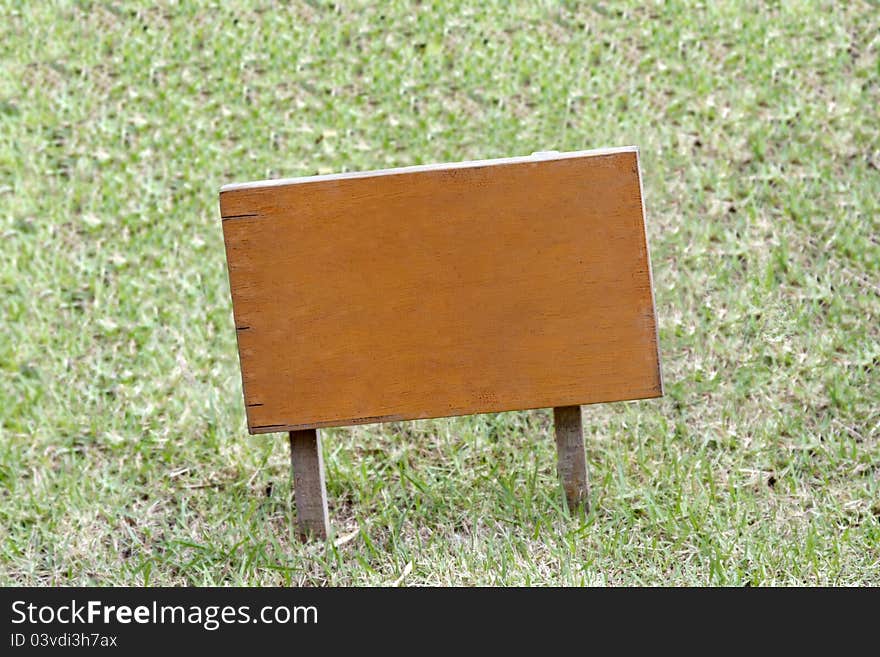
<point x="538" y="156"/>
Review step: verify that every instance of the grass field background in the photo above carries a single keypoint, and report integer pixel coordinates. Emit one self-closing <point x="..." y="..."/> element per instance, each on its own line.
<point x="124" y="457"/>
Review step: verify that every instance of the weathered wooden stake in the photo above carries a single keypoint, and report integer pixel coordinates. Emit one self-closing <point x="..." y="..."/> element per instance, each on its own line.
<point x="572" y="461"/>
<point x="307" y="465"/>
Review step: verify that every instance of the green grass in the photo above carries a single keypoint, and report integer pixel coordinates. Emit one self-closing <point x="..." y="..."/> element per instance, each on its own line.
<point x="124" y="457"/>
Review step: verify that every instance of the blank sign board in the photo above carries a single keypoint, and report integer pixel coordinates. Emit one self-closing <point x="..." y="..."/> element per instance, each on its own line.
<point x="442" y="290"/>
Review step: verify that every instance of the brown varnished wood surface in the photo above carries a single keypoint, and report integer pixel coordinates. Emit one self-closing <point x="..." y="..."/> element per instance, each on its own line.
<point x="415" y="294"/>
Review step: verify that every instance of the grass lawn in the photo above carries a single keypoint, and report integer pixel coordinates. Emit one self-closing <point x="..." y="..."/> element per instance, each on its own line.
<point x="124" y="457"/>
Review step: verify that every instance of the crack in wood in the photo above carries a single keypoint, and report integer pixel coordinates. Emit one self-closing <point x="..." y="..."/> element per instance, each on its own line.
<point x="241" y="216"/>
<point x="372" y="419"/>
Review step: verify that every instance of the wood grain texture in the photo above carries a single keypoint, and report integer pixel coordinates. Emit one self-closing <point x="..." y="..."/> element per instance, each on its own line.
<point x="445" y="290"/>
<point x="571" y="457"/>
<point x="309" y="487"/>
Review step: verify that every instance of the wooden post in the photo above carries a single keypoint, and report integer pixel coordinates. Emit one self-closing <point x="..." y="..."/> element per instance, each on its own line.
<point x="572" y="461"/>
<point x="307" y="465"/>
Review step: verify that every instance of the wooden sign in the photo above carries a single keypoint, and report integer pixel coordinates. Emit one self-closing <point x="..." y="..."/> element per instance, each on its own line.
<point x="442" y="290"/>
